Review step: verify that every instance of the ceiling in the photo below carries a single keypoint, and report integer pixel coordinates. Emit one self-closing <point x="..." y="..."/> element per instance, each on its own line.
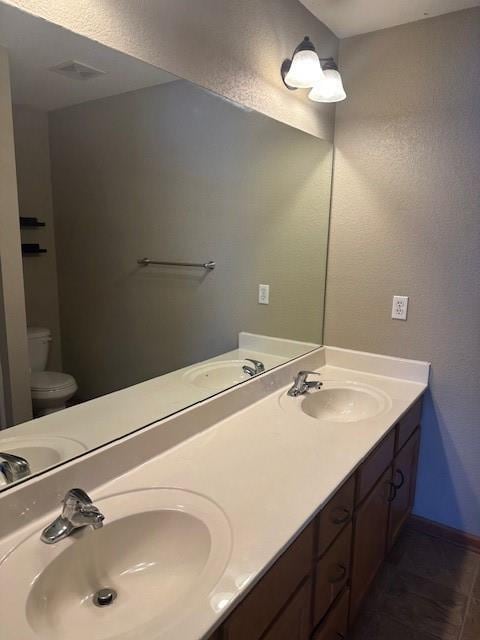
<point x="351" y="17"/>
<point x="35" y="45"/>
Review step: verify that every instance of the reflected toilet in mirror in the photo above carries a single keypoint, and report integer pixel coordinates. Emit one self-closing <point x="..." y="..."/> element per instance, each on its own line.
<point x="51" y="390"/>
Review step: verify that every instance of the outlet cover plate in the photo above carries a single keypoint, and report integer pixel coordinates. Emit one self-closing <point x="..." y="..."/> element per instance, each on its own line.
<point x="400" y="307"/>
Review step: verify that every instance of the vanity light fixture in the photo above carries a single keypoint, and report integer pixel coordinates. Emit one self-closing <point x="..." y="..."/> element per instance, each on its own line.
<point x="305" y="70"/>
<point x="330" y="87"/>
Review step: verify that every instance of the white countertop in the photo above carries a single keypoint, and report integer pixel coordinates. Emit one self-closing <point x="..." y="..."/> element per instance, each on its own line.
<point x="269" y="472"/>
<point x="93" y="423"/>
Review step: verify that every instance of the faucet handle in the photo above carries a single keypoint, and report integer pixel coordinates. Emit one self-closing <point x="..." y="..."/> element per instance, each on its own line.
<point x="78" y="511"/>
<point x="258" y="364"/>
<point x="13" y="467"/>
<point x="301" y="377"/>
<point x="75" y="500"/>
<point x="301" y="384"/>
<point x="77" y="496"/>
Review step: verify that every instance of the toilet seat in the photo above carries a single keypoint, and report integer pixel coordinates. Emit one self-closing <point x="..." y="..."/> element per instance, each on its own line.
<point x="51" y="381"/>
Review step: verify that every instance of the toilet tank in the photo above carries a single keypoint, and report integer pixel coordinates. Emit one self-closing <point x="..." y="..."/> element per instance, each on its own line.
<point x="39" y="339"/>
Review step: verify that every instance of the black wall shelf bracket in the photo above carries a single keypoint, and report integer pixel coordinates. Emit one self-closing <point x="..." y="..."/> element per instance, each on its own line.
<point x="30" y="223"/>
<point x="32" y="249"/>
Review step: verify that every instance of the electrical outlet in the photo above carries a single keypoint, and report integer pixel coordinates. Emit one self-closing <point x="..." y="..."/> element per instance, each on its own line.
<point x="263" y="294"/>
<point x="400" y="307"/>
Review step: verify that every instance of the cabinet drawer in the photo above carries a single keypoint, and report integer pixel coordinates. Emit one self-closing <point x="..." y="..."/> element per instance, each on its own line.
<point x="335" y="624"/>
<point x="374" y="466"/>
<point x="408" y="424"/>
<point x="331" y="573"/>
<point x="252" y="616"/>
<point x="294" y="621"/>
<point x="335" y="515"/>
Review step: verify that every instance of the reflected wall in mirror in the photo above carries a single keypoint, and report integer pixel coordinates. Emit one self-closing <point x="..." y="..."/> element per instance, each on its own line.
<point x="118" y="161"/>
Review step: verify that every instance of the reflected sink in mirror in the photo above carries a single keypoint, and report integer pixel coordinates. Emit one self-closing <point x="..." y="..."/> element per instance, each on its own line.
<point x="157" y="549"/>
<point x="340" y="402"/>
<point x="218" y="375"/>
<point x="42" y="452"/>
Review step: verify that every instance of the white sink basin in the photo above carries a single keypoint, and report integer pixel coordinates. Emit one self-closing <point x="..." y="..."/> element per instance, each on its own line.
<point x="42" y="452"/>
<point x="340" y="402"/>
<point x="161" y="550"/>
<point x="218" y="375"/>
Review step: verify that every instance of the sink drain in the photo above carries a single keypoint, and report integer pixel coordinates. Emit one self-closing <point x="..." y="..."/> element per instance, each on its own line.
<point x="104" y="597"/>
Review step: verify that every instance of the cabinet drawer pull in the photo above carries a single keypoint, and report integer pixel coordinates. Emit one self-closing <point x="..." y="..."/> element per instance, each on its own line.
<point x="340" y="636"/>
<point x="402" y="479"/>
<point x="341" y="575"/>
<point x="392" y="492"/>
<point x="343" y="515"/>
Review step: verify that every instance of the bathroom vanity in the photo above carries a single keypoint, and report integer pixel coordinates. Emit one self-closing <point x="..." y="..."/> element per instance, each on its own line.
<point x="252" y="515"/>
<point x="316" y="588"/>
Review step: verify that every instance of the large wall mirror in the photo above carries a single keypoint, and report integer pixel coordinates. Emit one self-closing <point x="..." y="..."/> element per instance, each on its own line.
<point x="170" y="238"/>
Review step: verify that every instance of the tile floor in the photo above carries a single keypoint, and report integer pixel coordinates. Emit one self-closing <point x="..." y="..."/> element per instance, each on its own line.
<point x="428" y="589"/>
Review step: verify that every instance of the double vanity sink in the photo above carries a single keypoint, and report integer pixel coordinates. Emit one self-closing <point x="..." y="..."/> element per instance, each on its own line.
<point x="187" y="533"/>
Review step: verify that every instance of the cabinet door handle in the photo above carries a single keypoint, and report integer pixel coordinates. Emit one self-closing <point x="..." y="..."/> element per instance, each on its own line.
<point x="343" y="515"/>
<point x="402" y="479"/>
<point x="340" y="636"/>
<point x="393" y="492"/>
<point x="342" y="572"/>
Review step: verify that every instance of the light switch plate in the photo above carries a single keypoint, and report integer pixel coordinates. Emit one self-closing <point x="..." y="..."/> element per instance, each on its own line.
<point x="400" y="307"/>
<point x="263" y="294"/>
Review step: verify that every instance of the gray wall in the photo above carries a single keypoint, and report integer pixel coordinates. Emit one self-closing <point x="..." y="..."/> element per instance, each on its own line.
<point x="234" y="47"/>
<point x="35" y="199"/>
<point x="406" y="220"/>
<point x="176" y="173"/>
<point x="13" y="334"/>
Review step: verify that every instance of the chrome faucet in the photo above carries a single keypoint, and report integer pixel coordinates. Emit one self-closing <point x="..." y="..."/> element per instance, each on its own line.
<point x="78" y="511"/>
<point x="302" y="384"/>
<point x="13" y="467"/>
<point x="258" y="367"/>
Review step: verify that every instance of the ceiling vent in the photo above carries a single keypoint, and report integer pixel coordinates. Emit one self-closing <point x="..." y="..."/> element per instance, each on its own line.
<point x="77" y="70"/>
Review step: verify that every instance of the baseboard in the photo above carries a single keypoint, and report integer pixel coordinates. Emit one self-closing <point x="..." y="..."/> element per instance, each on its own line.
<point x="437" y="530"/>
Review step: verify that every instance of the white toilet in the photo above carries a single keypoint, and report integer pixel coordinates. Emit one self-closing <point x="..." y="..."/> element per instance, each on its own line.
<point x="50" y="389"/>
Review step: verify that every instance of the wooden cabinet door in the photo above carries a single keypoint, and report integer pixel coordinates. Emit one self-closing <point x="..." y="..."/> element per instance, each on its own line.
<point x="257" y="611"/>
<point x="335" y="625"/>
<point x="370" y="540"/>
<point x="404" y="477"/>
<point x="294" y="621"/>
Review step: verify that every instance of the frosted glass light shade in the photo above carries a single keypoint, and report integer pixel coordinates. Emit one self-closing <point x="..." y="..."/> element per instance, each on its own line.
<point x="305" y="70"/>
<point x="329" y="89"/>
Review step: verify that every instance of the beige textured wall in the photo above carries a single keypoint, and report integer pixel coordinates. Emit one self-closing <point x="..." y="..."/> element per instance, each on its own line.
<point x="176" y="173"/>
<point x="234" y="47"/>
<point x="32" y="156"/>
<point x="406" y="220"/>
<point x="13" y="336"/>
